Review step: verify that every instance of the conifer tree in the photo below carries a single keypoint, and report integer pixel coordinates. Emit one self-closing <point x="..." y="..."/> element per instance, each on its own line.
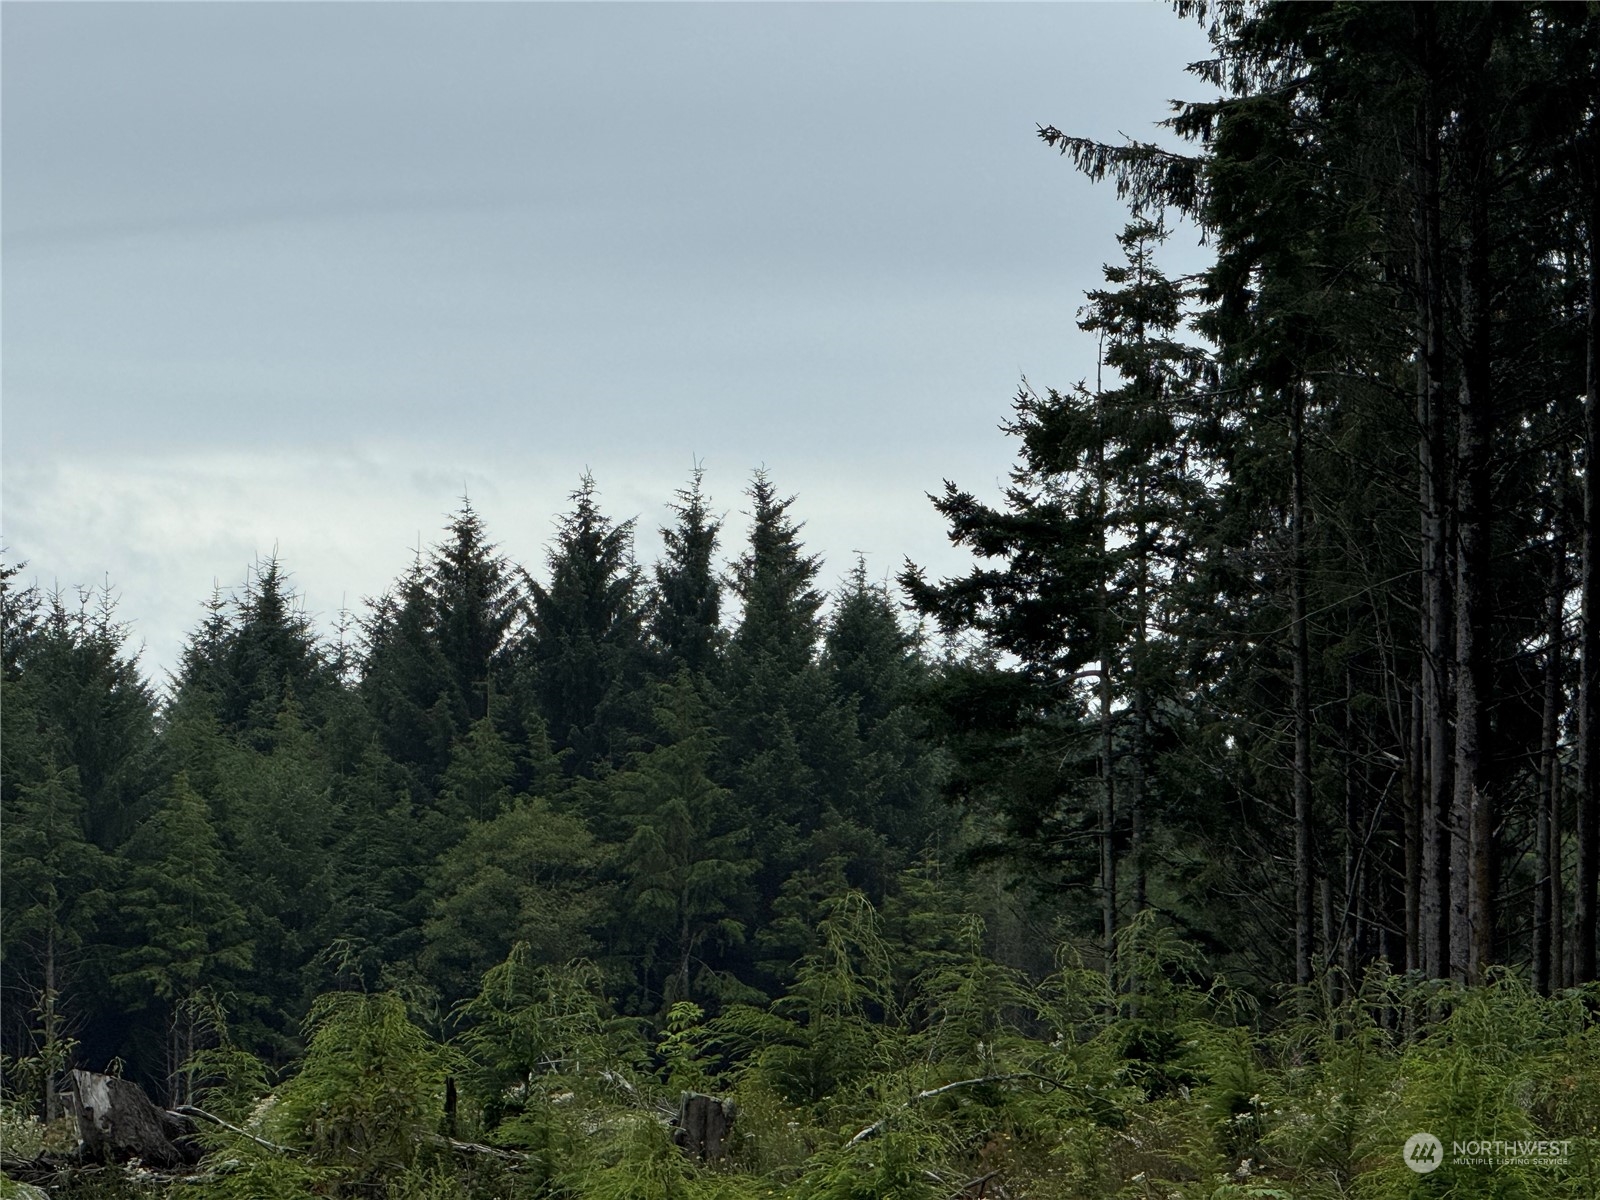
<point x="383" y="846"/>
<point x="407" y="682"/>
<point x="774" y="581"/>
<point x="782" y="733"/>
<point x="243" y="665"/>
<point x="79" y="767"/>
<point x="477" y="784"/>
<point x="1024" y="753"/>
<point x="686" y="866"/>
<point x="96" y="711"/>
<point x="273" y="809"/>
<point x="583" y="656"/>
<point x="685" y="620"/>
<point x="188" y="934"/>
<point x="875" y="673"/>
<point x="528" y="875"/>
<point x="59" y="890"/>
<point x="473" y="608"/>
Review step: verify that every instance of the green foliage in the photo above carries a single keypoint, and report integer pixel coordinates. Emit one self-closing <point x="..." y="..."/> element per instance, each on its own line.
<point x="526" y="876"/>
<point x="584" y="656"/>
<point x="682" y="1049"/>
<point x="407" y="683"/>
<point x="255" y="653"/>
<point x="861" y="1083"/>
<point x="473" y="604"/>
<point x="828" y="1033"/>
<point x="476" y="784"/>
<point x="369" y="1092"/>
<point x="631" y="1157"/>
<point x="22" y="1134"/>
<point x="685" y="619"/>
<point x="534" y="1031"/>
<point x="190" y="932"/>
<point x="239" y="1169"/>
<point x="893" y="1166"/>
<point x="686" y="866"/>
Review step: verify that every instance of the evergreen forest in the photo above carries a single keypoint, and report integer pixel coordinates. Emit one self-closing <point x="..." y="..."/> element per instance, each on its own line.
<point x="1235" y="817"/>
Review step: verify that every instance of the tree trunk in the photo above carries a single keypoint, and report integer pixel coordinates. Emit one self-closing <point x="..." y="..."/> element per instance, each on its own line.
<point x="1547" y="901"/>
<point x="702" y="1126"/>
<point x="1413" y="789"/>
<point x="1471" y="898"/>
<point x="1300" y="644"/>
<point x="117" y="1122"/>
<point x="1352" y="928"/>
<point x="51" y="1020"/>
<point x="1108" y="798"/>
<point x="1588" y="880"/>
<point x="1432" y="484"/>
<point x="1560" y="947"/>
<point x="1141" y="718"/>
<point x="1108" y="811"/>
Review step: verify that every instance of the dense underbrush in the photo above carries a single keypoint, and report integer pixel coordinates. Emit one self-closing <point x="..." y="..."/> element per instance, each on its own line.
<point x="966" y="1080"/>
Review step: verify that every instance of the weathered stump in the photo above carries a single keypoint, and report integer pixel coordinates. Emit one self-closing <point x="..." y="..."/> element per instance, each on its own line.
<point x="702" y="1126"/>
<point x="117" y="1122"/>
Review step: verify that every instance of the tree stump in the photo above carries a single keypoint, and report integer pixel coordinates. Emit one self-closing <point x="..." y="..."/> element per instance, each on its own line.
<point x="702" y="1126"/>
<point x="117" y="1122"/>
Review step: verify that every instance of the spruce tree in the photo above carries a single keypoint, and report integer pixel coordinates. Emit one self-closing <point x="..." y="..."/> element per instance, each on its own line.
<point x="473" y="608"/>
<point x="407" y="682"/>
<point x="685" y="619"/>
<point x="687" y="863"/>
<point x="782" y="733"/>
<point x="528" y="875"/>
<point x="79" y="767"/>
<point x="583" y="657"/>
<point x="774" y="581"/>
<point x="254" y="654"/>
<point x="188" y="934"/>
<point x="875" y="673"/>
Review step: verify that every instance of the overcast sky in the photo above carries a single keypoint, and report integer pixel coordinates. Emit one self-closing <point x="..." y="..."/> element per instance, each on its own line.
<point x="295" y="275"/>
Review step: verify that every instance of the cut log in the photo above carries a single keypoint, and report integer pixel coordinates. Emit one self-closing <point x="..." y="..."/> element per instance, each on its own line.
<point x="702" y="1126"/>
<point x="117" y="1122"/>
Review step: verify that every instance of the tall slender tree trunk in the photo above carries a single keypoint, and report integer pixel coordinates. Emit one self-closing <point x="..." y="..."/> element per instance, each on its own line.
<point x="1560" y="949"/>
<point x="1332" y="982"/>
<point x="50" y="1019"/>
<point x="1588" y="874"/>
<point x="1432" y="483"/>
<point x="1413" y="791"/>
<point x="1108" y="794"/>
<point x="1546" y="900"/>
<point x="1471" y="897"/>
<point x="1300" y="649"/>
<point x="1353" y="927"/>
<point x="1108" y="816"/>
<point x="1141" y="720"/>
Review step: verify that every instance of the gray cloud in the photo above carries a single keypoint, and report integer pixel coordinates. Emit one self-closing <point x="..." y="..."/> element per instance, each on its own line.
<point x="515" y="239"/>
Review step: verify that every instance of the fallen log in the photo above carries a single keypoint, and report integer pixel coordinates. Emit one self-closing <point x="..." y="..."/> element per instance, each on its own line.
<point x="876" y="1127"/>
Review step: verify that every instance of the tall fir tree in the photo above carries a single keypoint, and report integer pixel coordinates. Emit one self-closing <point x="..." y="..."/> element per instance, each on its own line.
<point x="187" y="935"/>
<point x="254" y="654"/>
<point x="781" y="733"/>
<point x="474" y="607"/>
<point x="408" y="684"/>
<point x="686" y="898"/>
<point x="583" y="656"/>
<point x="686" y="613"/>
<point x="876" y="676"/>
